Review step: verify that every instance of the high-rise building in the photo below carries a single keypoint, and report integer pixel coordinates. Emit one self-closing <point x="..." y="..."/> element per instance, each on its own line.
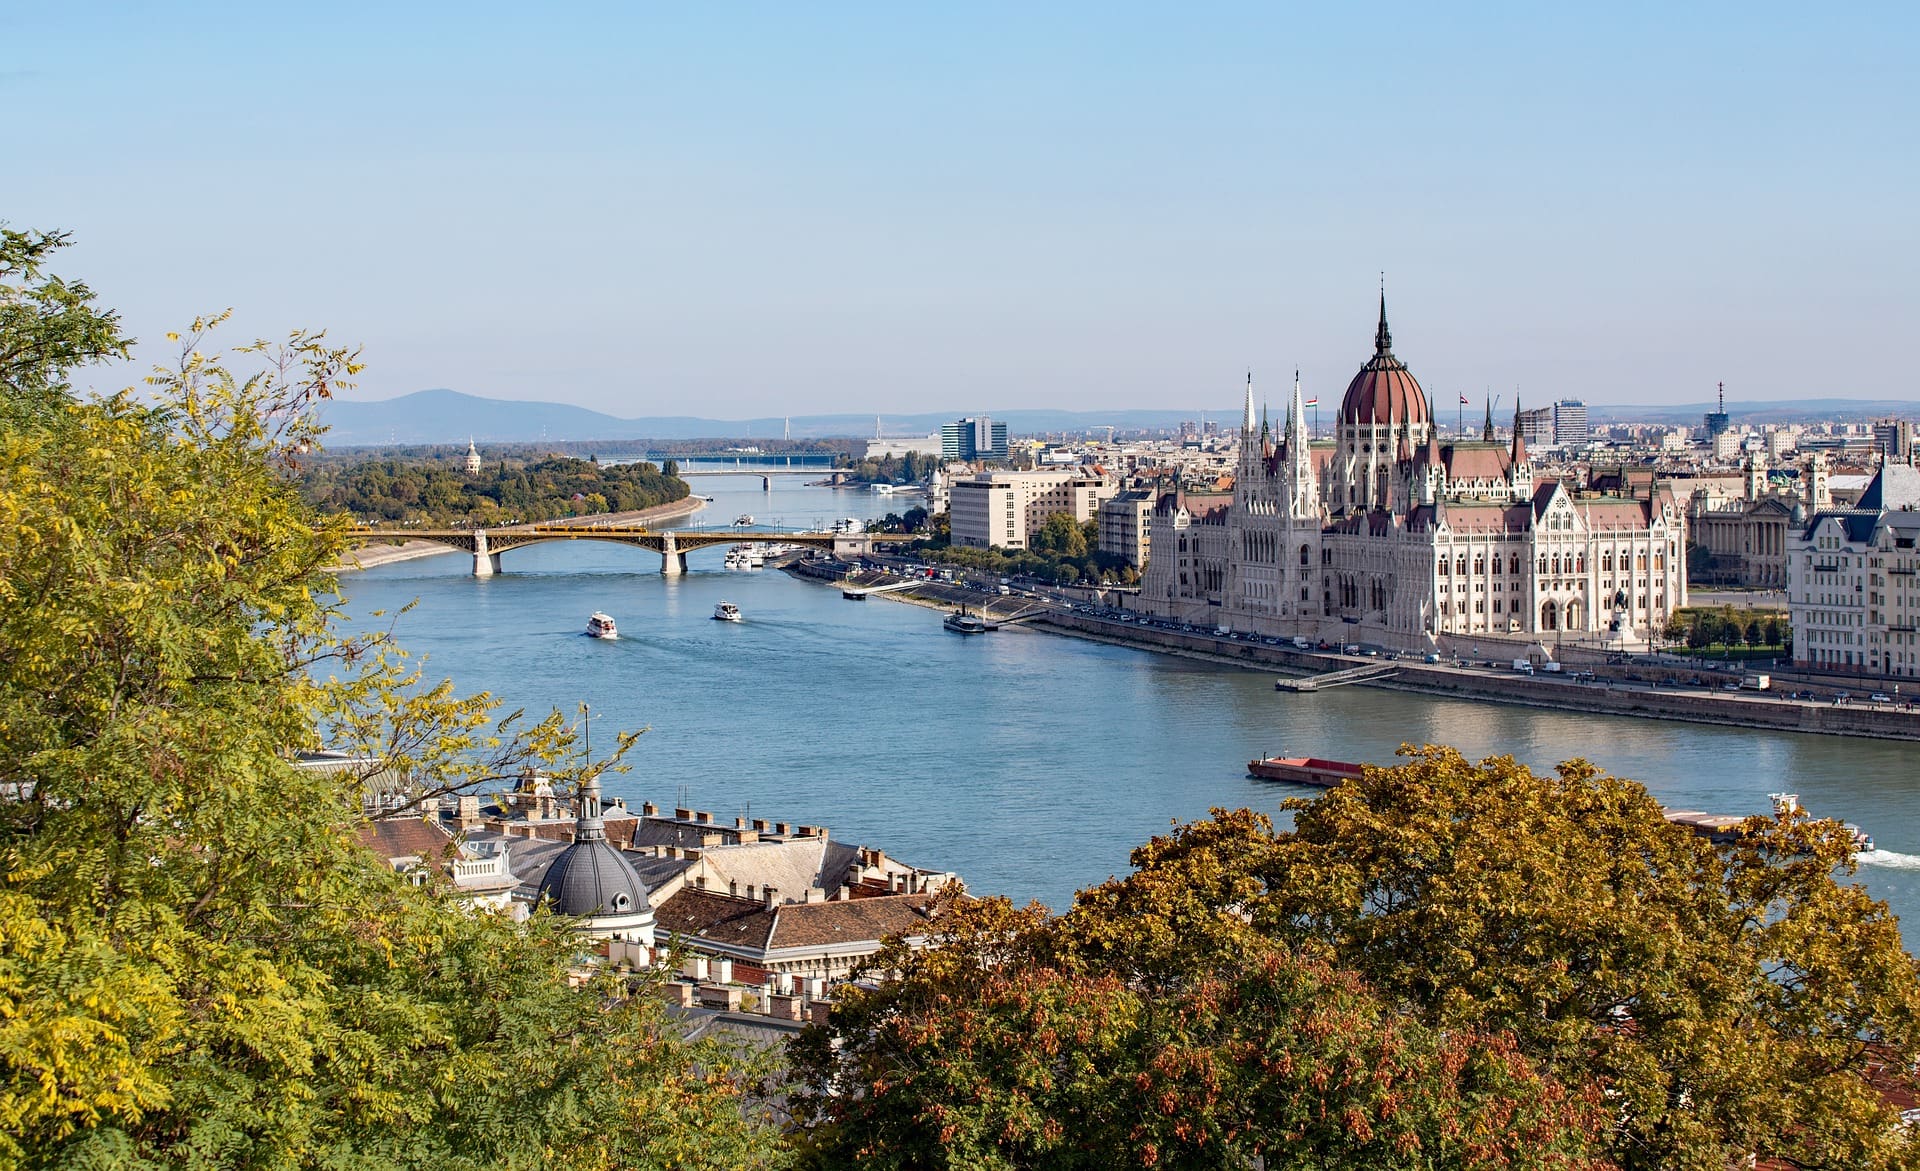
<point x="973" y="439"/>
<point x="1570" y="427"/>
<point x="1537" y="426"/>
<point x="1717" y="420"/>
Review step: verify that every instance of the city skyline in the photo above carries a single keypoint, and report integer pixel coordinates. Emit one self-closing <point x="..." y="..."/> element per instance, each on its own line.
<point x="862" y="211"/>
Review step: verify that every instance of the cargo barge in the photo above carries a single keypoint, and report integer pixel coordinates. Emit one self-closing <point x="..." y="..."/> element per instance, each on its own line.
<point x="1304" y="770"/>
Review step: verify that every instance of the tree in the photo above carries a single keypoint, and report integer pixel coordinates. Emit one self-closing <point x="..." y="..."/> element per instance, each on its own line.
<point x="1675" y="628"/>
<point x="48" y="327"/>
<point x="1061" y="536"/>
<point x="1755" y="633"/>
<point x="1622" y="992"/>
<point x="198" y="966"/>
<point x="1730" y="1000"/>
<point x="999" y="1049"/>
<point x="670" y="469"/>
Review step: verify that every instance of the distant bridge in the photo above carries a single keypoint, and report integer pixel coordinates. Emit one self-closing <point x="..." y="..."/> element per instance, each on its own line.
<point x="486" y="545"/>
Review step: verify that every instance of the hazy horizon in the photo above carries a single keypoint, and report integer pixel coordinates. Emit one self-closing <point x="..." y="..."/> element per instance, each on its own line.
<point x="762" y="211"/>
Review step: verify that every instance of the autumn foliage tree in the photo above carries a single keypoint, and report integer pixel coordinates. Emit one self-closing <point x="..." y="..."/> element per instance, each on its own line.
<point x="1443" y="964"/>
<point x="198" y="965"/>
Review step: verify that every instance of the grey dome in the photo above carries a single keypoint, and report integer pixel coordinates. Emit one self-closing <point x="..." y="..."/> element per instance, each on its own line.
<point x="592" y="878"/>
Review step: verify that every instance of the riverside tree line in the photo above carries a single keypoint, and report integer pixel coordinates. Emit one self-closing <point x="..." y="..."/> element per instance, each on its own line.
<point x="512" y="490"/>
<point x="1448" y="964"/>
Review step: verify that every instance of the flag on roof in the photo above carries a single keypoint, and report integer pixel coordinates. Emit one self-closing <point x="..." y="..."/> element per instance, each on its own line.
<point x="1463" y="398"/>
<point x="1312" y="402"/>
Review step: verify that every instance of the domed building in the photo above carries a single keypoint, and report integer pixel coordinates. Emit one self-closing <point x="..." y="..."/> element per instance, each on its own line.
<point x="592" y="881"/>
<point x="1383" y="534"/>
<point x="1383" y="420"/>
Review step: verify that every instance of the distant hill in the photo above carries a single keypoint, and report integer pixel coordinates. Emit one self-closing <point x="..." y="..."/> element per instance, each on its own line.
<point x="448" y="416"/>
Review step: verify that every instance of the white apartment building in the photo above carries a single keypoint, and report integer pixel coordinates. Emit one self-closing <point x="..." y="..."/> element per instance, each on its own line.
<point x="1852" y="592"/>
<point x="1005" y="509"/>
<point x="1125" y="522"/>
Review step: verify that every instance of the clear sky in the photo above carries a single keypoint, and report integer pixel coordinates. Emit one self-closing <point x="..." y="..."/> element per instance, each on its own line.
<point x="733" y="210"/>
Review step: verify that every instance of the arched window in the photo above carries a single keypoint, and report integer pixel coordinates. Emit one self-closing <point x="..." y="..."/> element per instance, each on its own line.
<point x="1543" y="565"/>
<point x="1303" y="556"/>
<point x="1548" y="613"/>
<point x="1606" y="561"/>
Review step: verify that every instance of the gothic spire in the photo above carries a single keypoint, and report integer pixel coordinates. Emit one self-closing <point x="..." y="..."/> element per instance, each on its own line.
<point x="1486" y="430"/>
<point x="1382" y="339"/>
<point x="1519" y="443"/>
<point x="1246" y="424"/>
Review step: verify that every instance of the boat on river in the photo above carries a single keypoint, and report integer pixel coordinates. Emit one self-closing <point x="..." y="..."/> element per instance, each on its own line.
<point x="1304" y="770"/>
<point x="726" y="612"/>
<point x="1719" y="828"/>
<point x="962" y="622"/>
<point x="602" y="626"/>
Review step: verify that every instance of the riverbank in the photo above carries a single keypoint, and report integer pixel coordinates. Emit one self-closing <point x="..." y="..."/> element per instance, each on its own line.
<point x="369" y="556"/>
<point x="1647" y="699"/>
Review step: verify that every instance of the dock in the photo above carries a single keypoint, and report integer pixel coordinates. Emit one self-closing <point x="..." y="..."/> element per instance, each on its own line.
<point x="1360" y="674"/>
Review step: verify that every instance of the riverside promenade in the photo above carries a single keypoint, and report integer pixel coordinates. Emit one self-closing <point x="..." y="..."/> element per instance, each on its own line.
<point x="1661" y="693"/>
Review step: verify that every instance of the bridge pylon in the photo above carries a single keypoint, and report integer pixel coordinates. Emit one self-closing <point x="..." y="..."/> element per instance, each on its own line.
<point x="673" y="562"/>
<point x="485" y="564"/>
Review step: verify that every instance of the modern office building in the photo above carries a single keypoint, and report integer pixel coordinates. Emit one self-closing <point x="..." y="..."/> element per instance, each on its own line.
<point x="1570" y="427"/>
<point x="973" y="440"/>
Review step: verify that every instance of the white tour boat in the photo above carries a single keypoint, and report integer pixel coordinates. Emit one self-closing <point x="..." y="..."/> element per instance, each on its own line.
<point x="601" y="626"/>
<point x="726" y="612"/>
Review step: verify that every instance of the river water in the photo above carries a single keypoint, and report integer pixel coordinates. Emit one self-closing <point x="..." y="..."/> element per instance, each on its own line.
<point x="1029" y="763"/>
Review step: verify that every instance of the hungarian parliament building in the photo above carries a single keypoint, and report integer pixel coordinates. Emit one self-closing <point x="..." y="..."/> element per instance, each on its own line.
<point x="1384" y="534"/>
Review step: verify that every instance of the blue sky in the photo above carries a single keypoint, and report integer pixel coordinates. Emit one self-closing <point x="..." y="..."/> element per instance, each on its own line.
<point x="734" y="210"/>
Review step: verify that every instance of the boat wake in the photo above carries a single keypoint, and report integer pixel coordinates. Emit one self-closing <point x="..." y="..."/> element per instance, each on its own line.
<point x="1890" y="859"/>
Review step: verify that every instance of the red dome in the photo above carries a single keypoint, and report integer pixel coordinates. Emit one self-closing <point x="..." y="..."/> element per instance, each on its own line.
<point x="1384" y="391"/>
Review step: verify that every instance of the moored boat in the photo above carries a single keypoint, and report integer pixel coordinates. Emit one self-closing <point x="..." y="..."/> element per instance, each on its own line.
<point x="601" y="626"/>
<point x="1304" y="770"/>
<point x="965" y="623"/>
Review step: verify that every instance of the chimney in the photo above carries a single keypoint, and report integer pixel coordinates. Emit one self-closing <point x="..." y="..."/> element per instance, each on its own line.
<point x="846" y="892"/>
<point x="700" y="881"/>
<point x="782" y="828"/>
<point x="772" y="894"/>
<point x="683" y="814"/>
<point x="649" y="809"/>
<point x="760" y="824"/>
<point x="704" y="817"/>
<point x="739" y="823"/>
<point x="803" y="831"/>
<point x="733" y="887"/>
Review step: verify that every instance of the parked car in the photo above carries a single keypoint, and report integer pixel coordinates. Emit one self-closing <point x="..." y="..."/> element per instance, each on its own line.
<point x="1880" y="697"/>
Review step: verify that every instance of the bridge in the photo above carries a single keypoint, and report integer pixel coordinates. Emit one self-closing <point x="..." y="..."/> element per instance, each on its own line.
<point x="486" y="545"/>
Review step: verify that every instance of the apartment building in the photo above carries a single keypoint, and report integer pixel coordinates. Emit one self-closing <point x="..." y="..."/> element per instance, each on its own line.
<point x="1006" y="509"/>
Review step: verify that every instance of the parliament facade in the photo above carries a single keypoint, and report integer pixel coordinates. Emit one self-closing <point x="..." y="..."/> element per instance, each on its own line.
<point x="1386" y="535"/>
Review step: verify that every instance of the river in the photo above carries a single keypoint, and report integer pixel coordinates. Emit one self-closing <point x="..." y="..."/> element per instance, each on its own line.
<point x="1029" y="763"/>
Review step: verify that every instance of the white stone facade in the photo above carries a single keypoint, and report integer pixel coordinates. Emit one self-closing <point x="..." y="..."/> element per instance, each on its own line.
<point x="1387" y="536"/>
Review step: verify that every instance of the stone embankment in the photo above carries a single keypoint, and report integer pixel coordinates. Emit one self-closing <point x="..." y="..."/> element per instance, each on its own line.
<point x="1741" y="710"/>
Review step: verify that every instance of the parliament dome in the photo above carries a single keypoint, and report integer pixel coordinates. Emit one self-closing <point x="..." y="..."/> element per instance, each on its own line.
<point x="1385" y="391"/>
